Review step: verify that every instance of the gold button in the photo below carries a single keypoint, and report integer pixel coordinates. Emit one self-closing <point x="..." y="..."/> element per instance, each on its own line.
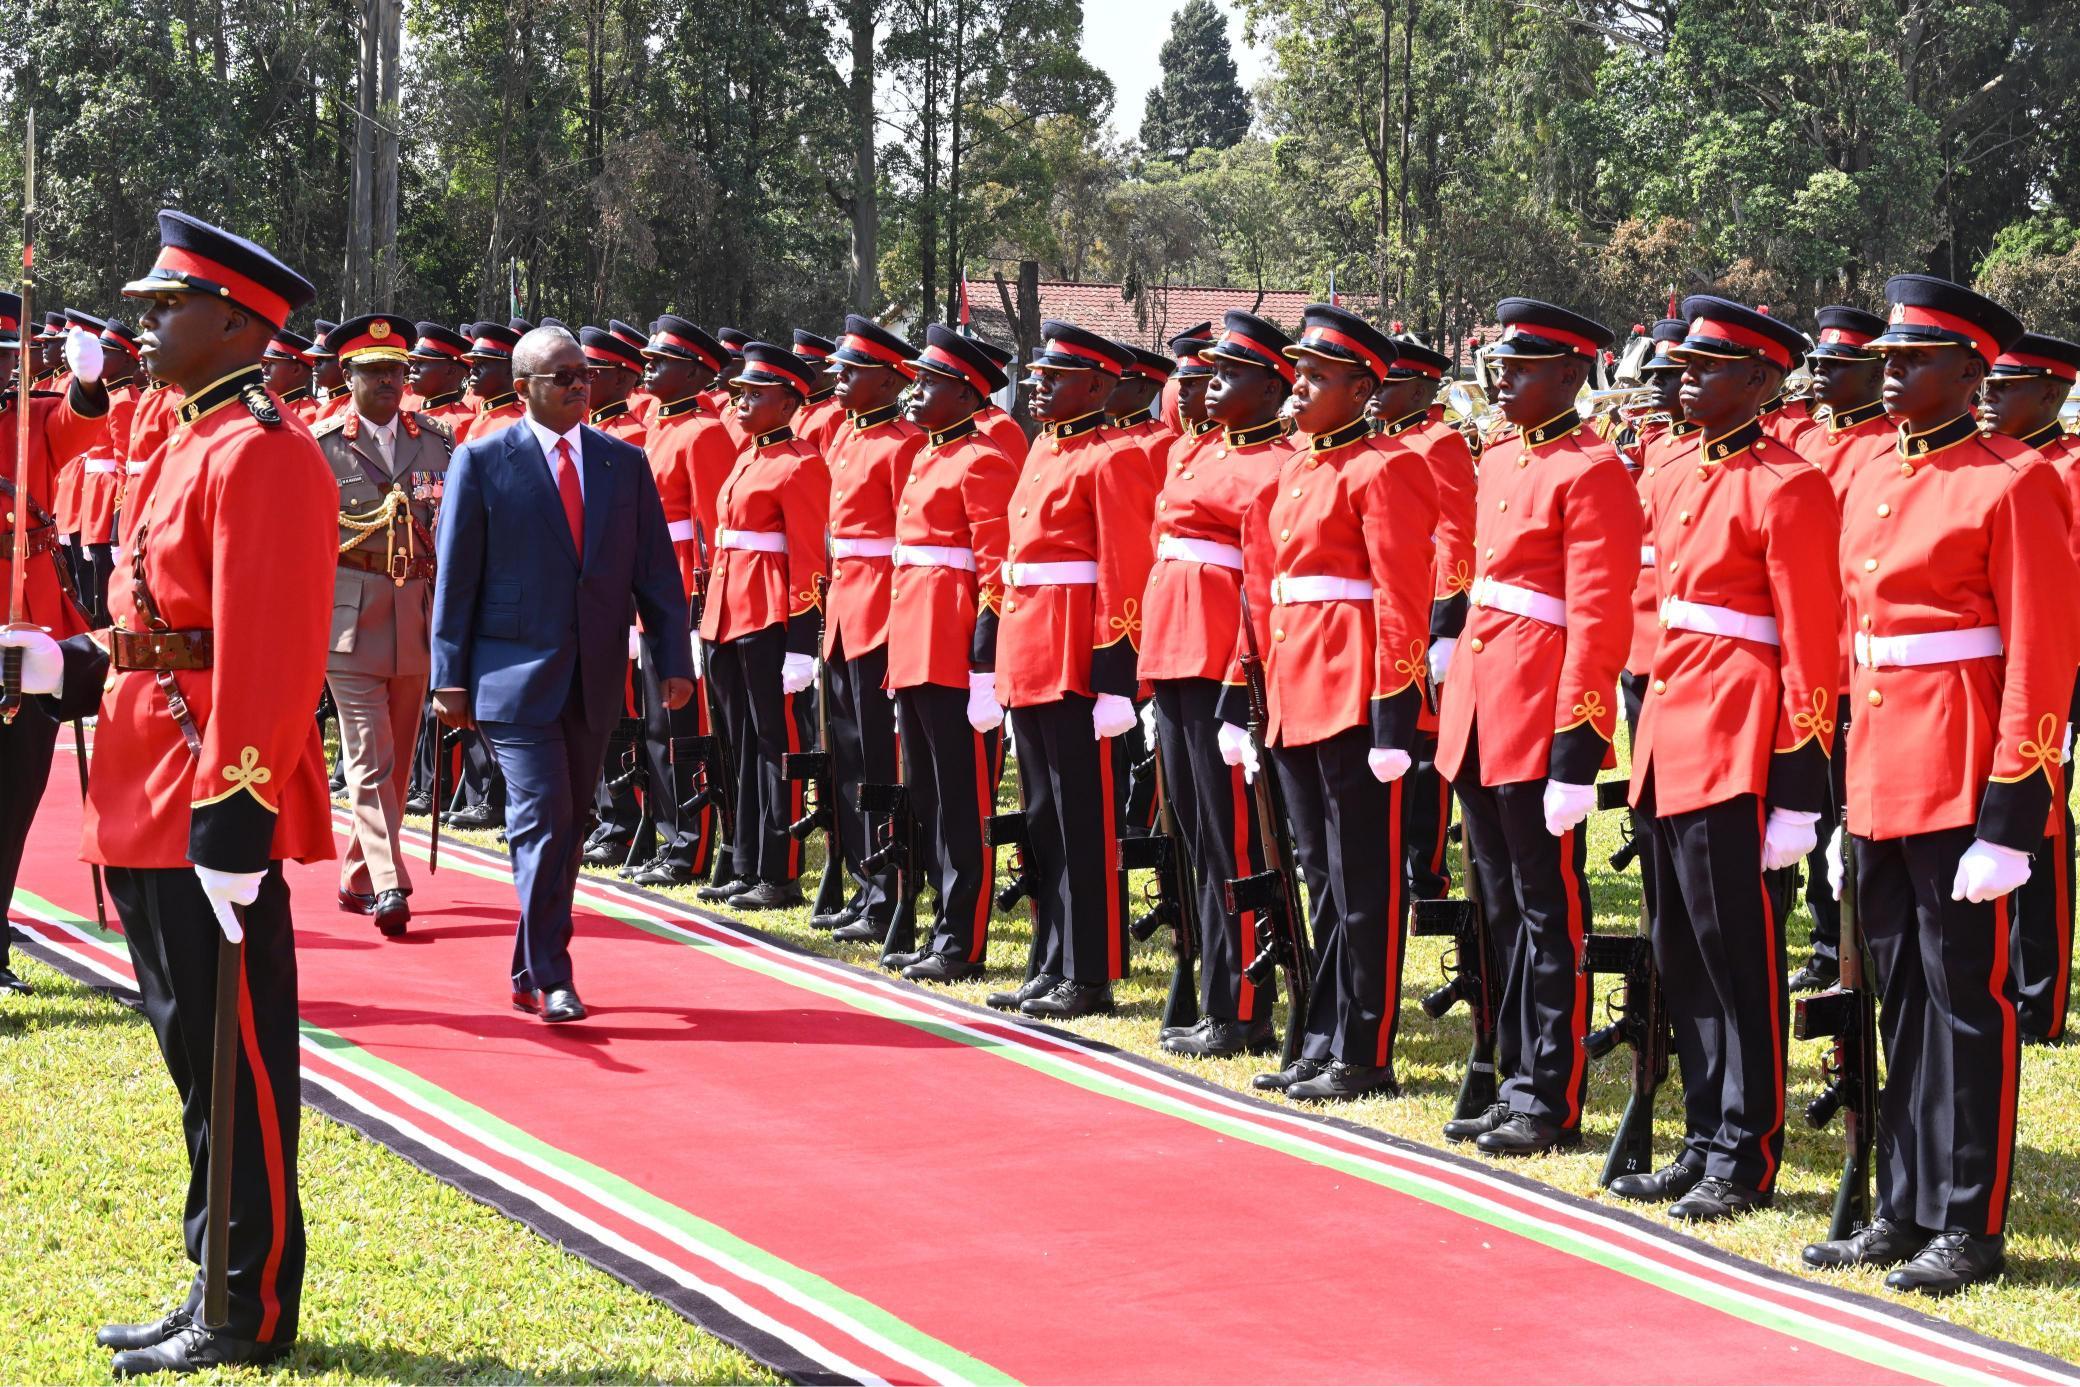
<point x="1884" y="509"/>
<point x="1187" y="476"/>
<point x="1279" y="634"/>
<point x="1702" y="474"/>
<point x="1760" y="444"/>
<point x="1684" y="517"/>
<point x="1010" y="607"/>
<point x="1022" y="510"/>
<point x="1162" y="504"/>
<point x="1285" y="534"/>
<point x="1296" y="493"/>
<point x="1477" y="647"/>
<point x="894" y="591"/>
<point x="1906" y="469"/>
<point x="1220" y="452"/>
<point x="1660" y="686"/>
<point x="1866" y="622"/>
<point x="1502" y="505"/>
<point x="906" y="507"/>
<point x="1674" y="564"/>
<point x="1523" y="462"/>
<point x="1650" y="471"/>
<point x="1489" y="555"/>
<point x="1870" y="565"/>
<point x="1876" y="698"/>
<point x="838" y="493"/>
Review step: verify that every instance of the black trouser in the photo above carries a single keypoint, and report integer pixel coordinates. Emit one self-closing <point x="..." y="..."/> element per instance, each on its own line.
<point x="1346" y="835"/>
<point x="1072" y="854"/>
<point x="2040" y="945"/>
<point x="173" y="936"/>
<point x="1537" y="900"/>
<point x="862" y="723"/>
<point x="1426" y="823"/>
<point x="1135" y="777"/>
<point x="623" y="807"/>
<point x="26" y="748"/>
<point x="1820" y="902"/>
<point x="761" y="725"/>
<point x="951" y="772"/>
<point x="471" y="775"/>
<point x="97" y="562"/>
<point x="1217" y="819"/>
<point x="685" y="838"/>
<point x="1946" y="1121"/>
<point x="1718" y="929"/>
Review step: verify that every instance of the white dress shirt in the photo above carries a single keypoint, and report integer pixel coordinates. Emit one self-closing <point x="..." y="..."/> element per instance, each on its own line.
<point x="548" y="442"/>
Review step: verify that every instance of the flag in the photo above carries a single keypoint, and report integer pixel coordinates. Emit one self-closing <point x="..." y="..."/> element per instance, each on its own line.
<point x="964" y="314"/>
<point x="512" y="288"/>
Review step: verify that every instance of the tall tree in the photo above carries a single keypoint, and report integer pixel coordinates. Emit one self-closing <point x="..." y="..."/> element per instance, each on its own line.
<point x="1200" y="104"/>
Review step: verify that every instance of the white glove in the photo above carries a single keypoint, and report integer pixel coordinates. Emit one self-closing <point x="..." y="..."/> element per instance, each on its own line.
<point x="43" y="664"/>
<point x="1834" y="862"/>
<point x="635" y="642"/>
<point x="1111" y="716"/>
<point x="1387" y="764"/>
<point x="1148" y="721"/>
<point x="1567" y="805"/>
<point x="985" y="714"/>
<point x="1787" y="836"/>
<point x="226" y="889"/>
<point x="83" y="354"/>
<point x="2065" y="756"/>
<point x="1988" y="871"/>
<point x="1441" y="657"/>
<point x="1238" y="750"/>
<point x="700" y="659"/>
<point x="797" y="672"/>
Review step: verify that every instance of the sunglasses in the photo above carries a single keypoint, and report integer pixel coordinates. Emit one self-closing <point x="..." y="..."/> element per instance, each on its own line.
<point x="565" y="378"/>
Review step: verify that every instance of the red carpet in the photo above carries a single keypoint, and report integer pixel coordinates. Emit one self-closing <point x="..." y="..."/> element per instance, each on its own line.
<point x="857" y="1180"/>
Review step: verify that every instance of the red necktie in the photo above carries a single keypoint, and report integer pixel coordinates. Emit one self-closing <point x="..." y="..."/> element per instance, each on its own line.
<point x="573" y="498"/>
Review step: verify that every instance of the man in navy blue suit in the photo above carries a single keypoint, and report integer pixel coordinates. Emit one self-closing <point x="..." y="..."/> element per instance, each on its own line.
<point x="551" y="538"/>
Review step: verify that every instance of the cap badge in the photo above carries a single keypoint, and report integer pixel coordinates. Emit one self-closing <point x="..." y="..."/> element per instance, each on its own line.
<point x="379" y="329"/>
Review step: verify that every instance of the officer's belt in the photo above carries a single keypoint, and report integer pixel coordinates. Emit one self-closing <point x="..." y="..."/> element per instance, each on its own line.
<point x="1525" y="602"/>
<point x="758" y="541"/>
<point x="1646" y="556"/>
<point x="1063" y="573"/>
<point x="1289" y="589"/>
<point x="1209" y="551"/>
<point x="407" y="567"/>
<point x="97" y="466"/>
<point x="191" y="649"/>
<point x="934" y="556"/>
<point x="40" y="540"/>
<point x="1928" y="647"/>
<point x="1708" y="620"/>
<point x="859" y="546"/>
<point x="680" y="531"/>
<point x="135" y="468"/>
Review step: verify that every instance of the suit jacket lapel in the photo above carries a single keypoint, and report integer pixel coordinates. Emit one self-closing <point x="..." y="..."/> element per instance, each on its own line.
<point x="531" y="470"/>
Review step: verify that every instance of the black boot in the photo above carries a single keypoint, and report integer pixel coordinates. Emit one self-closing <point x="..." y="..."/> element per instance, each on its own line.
<point x="1951" y="1262"/>
<point x="192" y="1349"/>
<point x="1715" y="1199"/>
<point x="1671" y="1182"/>
<point x="1525" y="1135"/>
<point x="1070" y="999"/>
<point x="1479" y="1125"/>
<point x="1215" y="1039"/>
<point x="122" y="1336"/>
<point x="1300" y="1069"/>
<point x="1882" y="1242"/>
<point x="1342" y="1082"/>
<point x="1039" y="985"/>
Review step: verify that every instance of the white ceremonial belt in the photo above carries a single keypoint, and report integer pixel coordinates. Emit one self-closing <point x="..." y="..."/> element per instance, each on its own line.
<point x="1289" y="589"/>
<point x="1200" y="551"/>
<point x="1524" y="602"/>
<point x="1067" y="573"/>
<point x="136" y="469"/>
<point x="762" y="541"/>
<point x="934" y="556"/>
<point x="681" y="531"/>
<point x="859" y="547"/>
<point x="1646" y="556"/>
<point x="99" y="465"/>
<point x="1708" y="620"/>
<point x="1927" y="648"/>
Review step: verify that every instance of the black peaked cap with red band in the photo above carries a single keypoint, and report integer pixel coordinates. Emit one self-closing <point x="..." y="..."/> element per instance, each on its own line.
<point x="1187" y="345"/>
<point x="767" y="364"/>
<point x="867" y="343"/>
<point x="439" y="342"/>
<point x="1532" y="329"/>
<point x="120" y="336"/>
<point x="1337" y="334"/>
<point x="491" y="342"/>
<point x="1147" y="364"/>
<point x="10" y="319"/>
<point x="85" y="322"/>
<point x="1846" y="333"/>
<point x="948" y="353"/>
<point x="53" y="327"/>
<point x="371" y="337"/>
<point x="1067" y="347"/>
<point x="2041" y="356"/>
<point x="813" y="348"/>
<point x="628" y="332"/>
<point x="672" y="335"/>
<point x="1731" y="331"/>
<point x="197" y="258"/>
<point x="733" y="340"/>
<point x="287" y="346"/>
<point x="1413" y="359"/>
<point x="1664" y="335"/>
<point x="1931" y="312"/>
<point x="603" y="348"/>
<point x="1252" y="341"/>
<point x="1001" y="355"/>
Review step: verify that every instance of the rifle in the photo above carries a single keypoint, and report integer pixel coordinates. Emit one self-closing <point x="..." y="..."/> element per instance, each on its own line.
<point x="814" y="767"/>
<point x="1173" y="903"/>
<point x="1847" y="1014"/>
<point x="714" y="785"/>
<point x="895" y="845"/>
<point x="1009" y="831"/>
<point x="18" y="562"/>
<point x="1639" y="1018"/>
<point x="1274" y="893"/>
<point x="1468" y="979"/>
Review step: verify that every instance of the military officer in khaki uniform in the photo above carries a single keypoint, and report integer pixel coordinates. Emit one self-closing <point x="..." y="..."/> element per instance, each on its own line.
<point x="389" y="463"/>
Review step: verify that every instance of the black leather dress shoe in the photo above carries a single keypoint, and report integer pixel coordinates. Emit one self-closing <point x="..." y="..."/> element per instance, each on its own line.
<point x="1342" y="1082"/>
<point x="1715" y="1199"/>
<point x="356" y="902"/>
<point x="1672" y="1181"/>
<point x="1174" y="1032"/>
<point x="193" y="1349"/>
<point x="1217" y="1039"/>
<point x="664" y="872"/>
<point x="529" y="1002"/>
<point x="417" y="804"/>
<point x="1070" y="998"/>
<point x="723" y="890"/>
<point x="122" y="1336"/>
<point x="1479" y="1125"/>
<point x="10" y="983"/>
<point x="834" y="919"/>
<point x="941" y="968"/>
<point x="765" y="895"/>
<point x="1817" y="976"/>
<point x="1882" y="1242"/>
<point x="1525" y="1135"/>
<point x="1951" y="1262"/>
<point x="1039" y="985"/>
<point x="391" y="913"/>
<point x="607" y="852"/>
<point x="1300" y="1069"/>
<point x="562" y="1004"/>
<point x="863" y="929"/>
<point x="471" y="816"/>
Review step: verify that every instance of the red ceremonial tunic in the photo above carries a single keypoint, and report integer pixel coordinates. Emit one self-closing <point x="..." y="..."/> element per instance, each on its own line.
<point x="149" y="425"/>
<point x="1348" y="508"/>
<point x="725" y="407"/>
<point x="1191" y="614"/>
<point x="2062" y="451"/>
<point x="778" y="487"/>
<point x="101" y="484"/>
<point x="690" y="456"/>
<point x="301" y="403"/>
<point x="1747" y="526"/>
<point x="1959" y="531"/>
<point x="496" y="412"/>
<point x="1841" y="445"/>
<point x="821" y="420"/>
<point x="1791" y="423"/>
<point x="1004" y="431"/>
<point x="1153" y="437"/>
<point x="1660" y="442"/>
<point x="238" y="521"/>
<point x="617" y="420"/>
<point x="1559" y="518"/>
<point x="869" y="464"/>
<point x="57" y="434"/>
<point x="1084" y="497"/>
<point x="452" y="413"/>
<point x="942" y="619"/>
<point x="338" y="401"/>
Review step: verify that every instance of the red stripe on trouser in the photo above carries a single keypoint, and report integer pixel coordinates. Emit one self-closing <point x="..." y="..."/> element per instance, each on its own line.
<point x="985" y="801"/>
<point x="1115" y="944"/>
<point x="2062" y="914"/>
<point x="1775" y="976"/>
<point x="271" y="1152"/>
<point x="1439" y="856"/>
<point x="1579" y="1024"/>
<point x="1397" y="883"/>
<point x="795" y="788"/>
<point x="1246" y="921"/>
<point x="2004" y="1135"/>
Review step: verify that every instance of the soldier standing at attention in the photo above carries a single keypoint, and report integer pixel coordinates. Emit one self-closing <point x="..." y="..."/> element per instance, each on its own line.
<point x="823" y="415"/>
<point x="439" y="375"/>
<point x="287" y="363"/>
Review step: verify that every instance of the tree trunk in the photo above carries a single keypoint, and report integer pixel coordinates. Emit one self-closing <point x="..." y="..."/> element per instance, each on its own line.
<point x="866" y="212"/>
<point x="1382" y="223"/>
<point x="357" y="280"/>
<point x="958" y="81"/>
<point x="383" y="248"/>
<point x="928" y="184"/>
